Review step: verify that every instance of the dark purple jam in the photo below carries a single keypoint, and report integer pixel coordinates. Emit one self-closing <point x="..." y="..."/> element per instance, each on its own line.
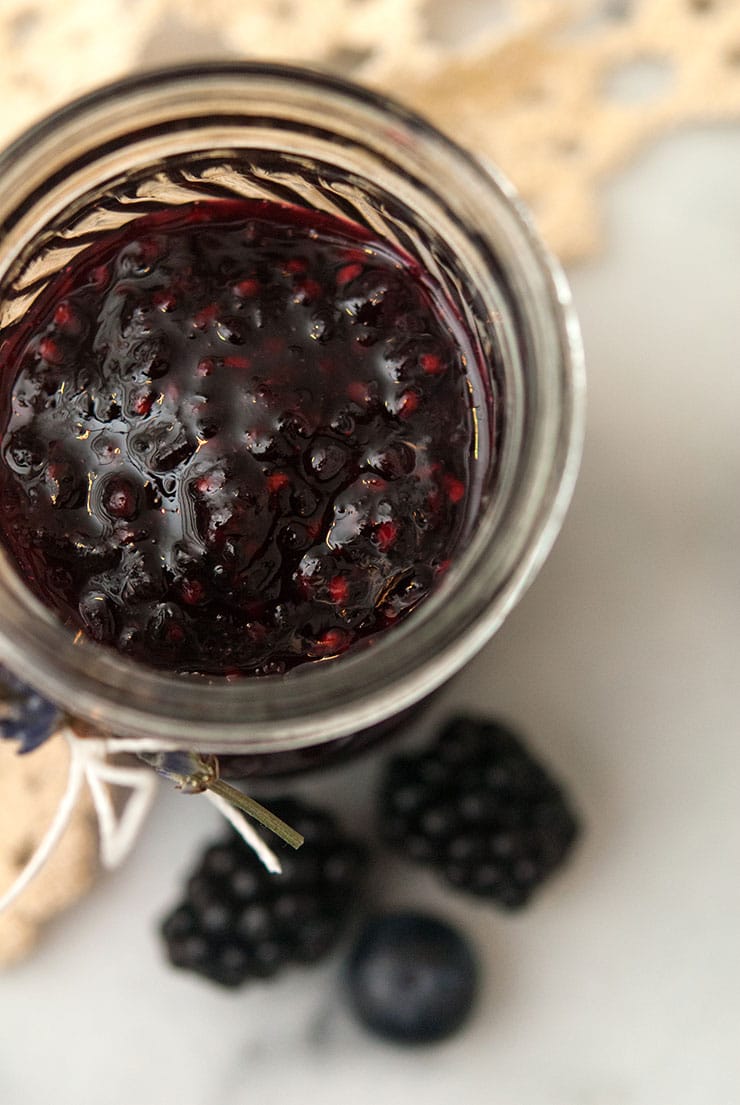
<point x="237" y="437"/>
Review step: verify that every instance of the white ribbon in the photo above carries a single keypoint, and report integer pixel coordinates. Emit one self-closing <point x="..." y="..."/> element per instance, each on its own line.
<point x="118" y="833"/>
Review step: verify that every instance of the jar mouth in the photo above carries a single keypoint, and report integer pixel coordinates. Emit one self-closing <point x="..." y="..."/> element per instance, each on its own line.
<point x="217" y="107"/>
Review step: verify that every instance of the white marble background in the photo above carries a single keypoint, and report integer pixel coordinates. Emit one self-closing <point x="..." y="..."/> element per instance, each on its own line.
<point x="621" y="985"/>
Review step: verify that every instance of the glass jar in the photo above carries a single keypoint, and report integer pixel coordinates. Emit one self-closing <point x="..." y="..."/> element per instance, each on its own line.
<point x="298" y="136"/>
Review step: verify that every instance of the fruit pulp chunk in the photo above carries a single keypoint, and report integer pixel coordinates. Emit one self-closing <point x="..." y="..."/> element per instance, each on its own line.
<point x="238" y="436"/>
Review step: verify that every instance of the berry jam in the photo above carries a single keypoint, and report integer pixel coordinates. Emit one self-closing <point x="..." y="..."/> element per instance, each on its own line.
<point x="236" y="437"/>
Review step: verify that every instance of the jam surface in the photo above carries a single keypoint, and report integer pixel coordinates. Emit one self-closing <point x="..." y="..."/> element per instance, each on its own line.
<point x="237" y="437"/>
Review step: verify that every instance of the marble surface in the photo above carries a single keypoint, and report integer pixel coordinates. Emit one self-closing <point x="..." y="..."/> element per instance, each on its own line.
<point x="621" y="985"/>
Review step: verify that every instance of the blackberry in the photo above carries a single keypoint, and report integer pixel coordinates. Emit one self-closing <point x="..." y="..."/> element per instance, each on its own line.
<point x="412" y="978"/>
<point x="479" y="809"/>
<point x="238" y="921"/>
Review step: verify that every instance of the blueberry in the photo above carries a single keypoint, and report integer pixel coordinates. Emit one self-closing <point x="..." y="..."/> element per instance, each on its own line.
<point x="25" y="716"/>
<point x="412" y="978"/>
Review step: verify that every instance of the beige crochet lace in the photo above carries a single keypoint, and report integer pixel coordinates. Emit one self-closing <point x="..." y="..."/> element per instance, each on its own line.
<point x="557" y="92"/>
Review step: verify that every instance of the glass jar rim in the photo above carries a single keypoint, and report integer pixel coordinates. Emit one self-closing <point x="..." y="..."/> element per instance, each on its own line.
<point x="322" y="701"/>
